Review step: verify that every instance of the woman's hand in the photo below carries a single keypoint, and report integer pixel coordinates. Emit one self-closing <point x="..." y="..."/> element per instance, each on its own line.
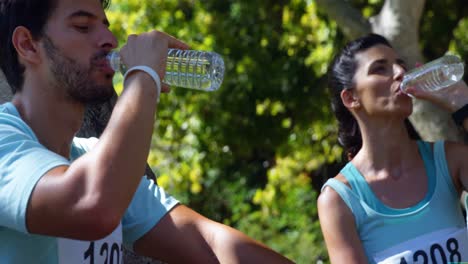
<point x="451" y="98"/>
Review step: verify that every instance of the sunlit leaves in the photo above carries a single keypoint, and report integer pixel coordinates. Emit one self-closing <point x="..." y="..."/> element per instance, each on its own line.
<point x="442" y="26"/>
<point x="269" y="107"/>
<point x="253" y="153"/>
<point x="245" y="154"/>
<point x="459" y="44"/>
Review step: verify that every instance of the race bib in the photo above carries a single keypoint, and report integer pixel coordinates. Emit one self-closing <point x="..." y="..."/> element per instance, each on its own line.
<point x="446" y="246"/>
<point x="105" y="251"/>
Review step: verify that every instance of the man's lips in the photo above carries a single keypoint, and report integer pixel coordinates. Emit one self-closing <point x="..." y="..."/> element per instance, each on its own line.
<point x="104" y="66"/>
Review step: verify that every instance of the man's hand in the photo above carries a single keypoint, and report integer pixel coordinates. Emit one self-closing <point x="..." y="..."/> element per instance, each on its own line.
<point x="150" y="49"/>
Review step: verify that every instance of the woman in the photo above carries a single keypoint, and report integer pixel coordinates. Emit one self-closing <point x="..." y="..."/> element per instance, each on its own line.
<point x="397" y="200"/>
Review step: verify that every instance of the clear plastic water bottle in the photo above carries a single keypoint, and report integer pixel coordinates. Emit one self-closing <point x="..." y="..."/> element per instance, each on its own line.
<point x="435" y="75"/>
<point x="201" y="70"/>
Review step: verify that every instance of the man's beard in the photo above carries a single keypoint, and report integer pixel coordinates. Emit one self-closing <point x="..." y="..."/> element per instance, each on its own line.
<point x="77" y="79"/>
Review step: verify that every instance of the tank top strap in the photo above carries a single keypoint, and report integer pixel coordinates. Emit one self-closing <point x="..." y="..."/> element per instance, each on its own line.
<point x="358" y="183"/>
<point x="349" y="197"/>
<point x="428" y="156"/>
<point x="426" y="152"/>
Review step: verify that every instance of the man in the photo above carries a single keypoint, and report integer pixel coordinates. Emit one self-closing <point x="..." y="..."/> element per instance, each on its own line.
<point x="69" y="200"/>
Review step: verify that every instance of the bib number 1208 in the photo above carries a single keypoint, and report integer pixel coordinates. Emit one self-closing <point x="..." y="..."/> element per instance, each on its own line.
<point x="450" y="253"/>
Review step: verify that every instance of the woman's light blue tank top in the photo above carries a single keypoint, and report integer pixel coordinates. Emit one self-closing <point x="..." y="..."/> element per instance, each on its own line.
<point x="381" y="227"/>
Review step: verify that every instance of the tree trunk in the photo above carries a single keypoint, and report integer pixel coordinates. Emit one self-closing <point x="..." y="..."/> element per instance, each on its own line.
<point x="398" y="21"/>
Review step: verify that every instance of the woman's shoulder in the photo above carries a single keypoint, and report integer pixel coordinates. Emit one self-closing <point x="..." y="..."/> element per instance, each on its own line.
<point x="331" y="204"/>
<point x="456" y="153"/>
<point x="330" y="196"/>
<point x="455" y="147"/>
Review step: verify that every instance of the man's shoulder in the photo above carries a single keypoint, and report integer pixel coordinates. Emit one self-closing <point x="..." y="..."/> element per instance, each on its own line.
<point x="11" y="122"/>
<point x="9" y="109"/>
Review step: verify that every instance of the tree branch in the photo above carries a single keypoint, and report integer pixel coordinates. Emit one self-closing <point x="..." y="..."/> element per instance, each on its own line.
<point x="348" y="18"/>
<point x="399" y="21"/>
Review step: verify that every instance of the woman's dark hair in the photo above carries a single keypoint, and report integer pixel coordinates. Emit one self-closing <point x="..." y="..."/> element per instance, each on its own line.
<point x="341" y="76"/>
<point x="32" y="14"/>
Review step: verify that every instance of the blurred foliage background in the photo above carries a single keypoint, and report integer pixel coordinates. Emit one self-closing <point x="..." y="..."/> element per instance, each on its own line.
<point x="255" y="153"/>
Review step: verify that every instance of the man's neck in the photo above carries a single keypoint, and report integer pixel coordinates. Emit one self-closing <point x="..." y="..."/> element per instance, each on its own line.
<point x="53" y="118"/>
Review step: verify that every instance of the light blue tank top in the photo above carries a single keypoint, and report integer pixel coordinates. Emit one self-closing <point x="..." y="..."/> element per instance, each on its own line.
<point x="381" y="227"/>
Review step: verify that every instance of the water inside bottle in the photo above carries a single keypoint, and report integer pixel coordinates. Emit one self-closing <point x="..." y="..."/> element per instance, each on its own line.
<point x="186" y="68"/>
<point x="194" y="69"/>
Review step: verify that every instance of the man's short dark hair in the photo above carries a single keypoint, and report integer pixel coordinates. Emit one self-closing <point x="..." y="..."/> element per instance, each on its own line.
<point x="32" y="14"/>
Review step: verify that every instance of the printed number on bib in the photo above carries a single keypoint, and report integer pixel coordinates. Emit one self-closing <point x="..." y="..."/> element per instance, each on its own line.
<point x="436" y="254"/>
<point x="111" y="254"/>
<point x="444" y="246"/>
<point x="105" y="251"/>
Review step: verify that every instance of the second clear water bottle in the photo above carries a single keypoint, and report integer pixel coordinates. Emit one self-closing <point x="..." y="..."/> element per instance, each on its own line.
<point x="435" y="75"/>
<point x="201" y="70"/>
